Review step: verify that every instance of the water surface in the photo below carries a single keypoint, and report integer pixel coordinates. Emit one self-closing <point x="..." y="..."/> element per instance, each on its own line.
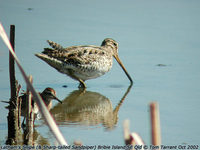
<point x="158" y="44"/>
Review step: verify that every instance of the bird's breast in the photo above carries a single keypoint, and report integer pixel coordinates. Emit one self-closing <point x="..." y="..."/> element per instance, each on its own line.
<point x="93" y="69"/>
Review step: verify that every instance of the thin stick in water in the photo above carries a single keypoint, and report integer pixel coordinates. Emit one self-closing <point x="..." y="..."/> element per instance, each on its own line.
<point x="28" y="134"/>
<point x="155" y="124"/>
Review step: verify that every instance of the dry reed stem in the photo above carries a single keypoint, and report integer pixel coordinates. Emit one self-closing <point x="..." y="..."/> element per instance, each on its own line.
<point x="155" y="124"/>
<point x="47" y="116"/>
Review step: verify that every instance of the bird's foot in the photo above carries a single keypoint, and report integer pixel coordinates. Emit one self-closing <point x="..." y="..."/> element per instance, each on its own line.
<point x="82" y="85"/>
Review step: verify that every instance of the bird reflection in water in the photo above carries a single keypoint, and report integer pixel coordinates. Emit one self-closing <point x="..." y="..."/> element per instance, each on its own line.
<point x="87" y="108"/>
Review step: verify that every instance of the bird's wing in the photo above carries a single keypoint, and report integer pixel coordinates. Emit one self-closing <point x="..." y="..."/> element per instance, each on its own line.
<point x="76" y="54"/>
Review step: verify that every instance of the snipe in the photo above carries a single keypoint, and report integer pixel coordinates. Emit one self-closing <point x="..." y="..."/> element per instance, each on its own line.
<point x="83" y="62"/>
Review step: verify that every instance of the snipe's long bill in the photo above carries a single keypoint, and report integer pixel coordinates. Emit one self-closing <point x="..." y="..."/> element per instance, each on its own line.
<point x="83" y="62"/>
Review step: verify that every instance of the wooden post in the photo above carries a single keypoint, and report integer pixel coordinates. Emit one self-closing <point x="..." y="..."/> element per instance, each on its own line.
<point x="155" y="125"/>
<point x="28" y="134"/>
<point x="13" y="109"/>
<point x="12" y="64"/>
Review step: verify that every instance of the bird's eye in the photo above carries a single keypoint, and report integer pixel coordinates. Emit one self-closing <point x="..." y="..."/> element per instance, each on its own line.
<point x="115" y="44"/>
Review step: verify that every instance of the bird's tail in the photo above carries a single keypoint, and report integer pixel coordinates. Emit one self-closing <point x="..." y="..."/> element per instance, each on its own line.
<point x="55" y="46"/>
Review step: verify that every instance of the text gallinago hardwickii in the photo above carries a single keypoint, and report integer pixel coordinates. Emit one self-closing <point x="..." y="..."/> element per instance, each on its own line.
<point x="83" y="62"/>
<point x="47" y="95"/>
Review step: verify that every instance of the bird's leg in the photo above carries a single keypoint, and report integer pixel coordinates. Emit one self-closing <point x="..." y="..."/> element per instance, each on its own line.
<point x="82" y="84"/>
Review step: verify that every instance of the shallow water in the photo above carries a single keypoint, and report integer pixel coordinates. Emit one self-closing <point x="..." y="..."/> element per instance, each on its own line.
<point x="158" y="44"/>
